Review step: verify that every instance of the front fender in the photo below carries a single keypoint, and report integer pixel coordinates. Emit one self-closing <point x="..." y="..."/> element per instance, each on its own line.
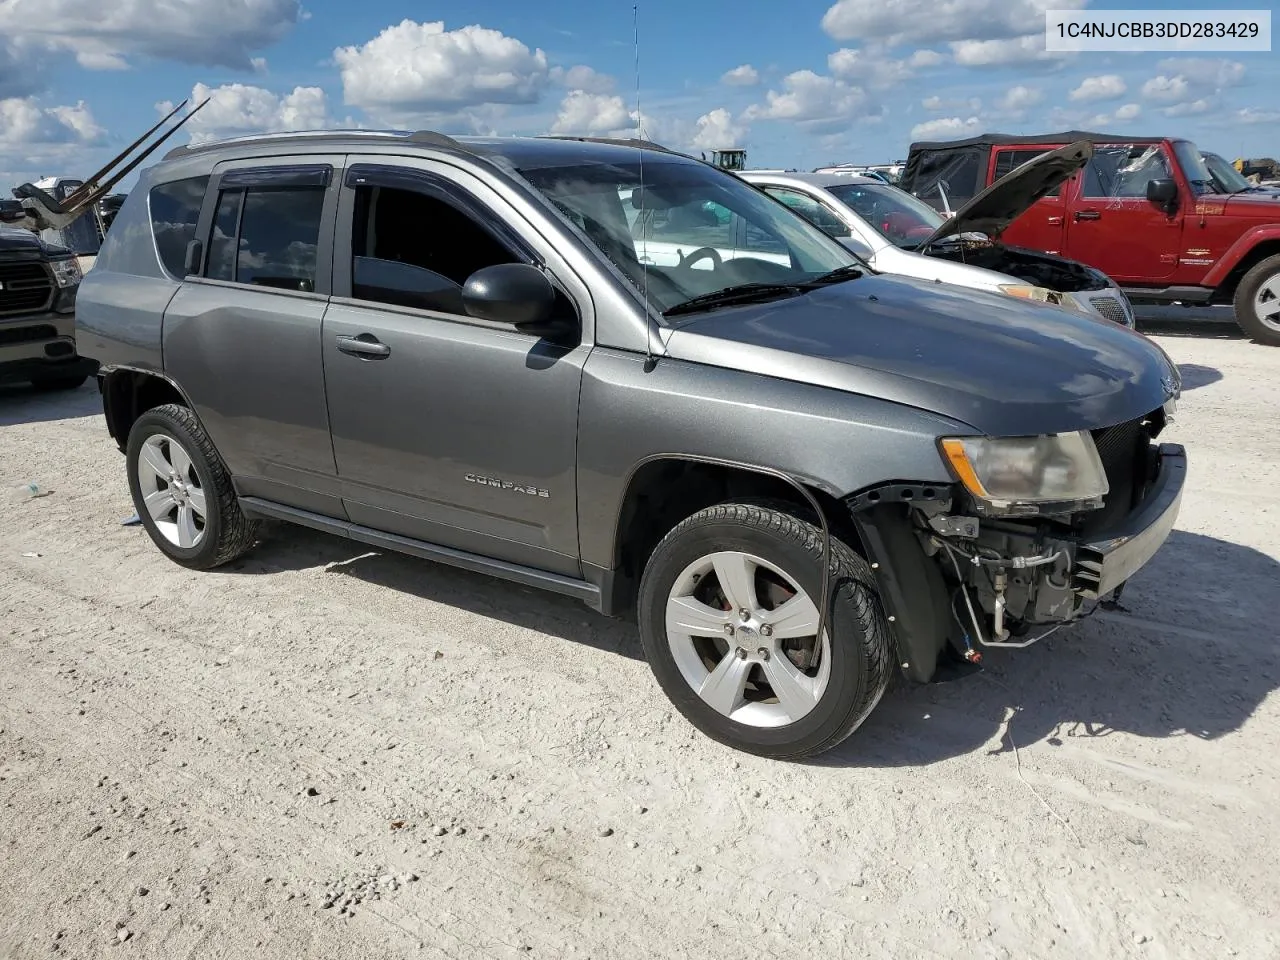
<point x="1239" y="250"/>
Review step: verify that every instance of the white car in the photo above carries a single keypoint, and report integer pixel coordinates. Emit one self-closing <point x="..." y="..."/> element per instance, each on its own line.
<point x="899" y="234"/>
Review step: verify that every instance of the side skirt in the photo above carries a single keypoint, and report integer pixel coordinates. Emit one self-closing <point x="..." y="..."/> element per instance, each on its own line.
<point x="588" y="593"/>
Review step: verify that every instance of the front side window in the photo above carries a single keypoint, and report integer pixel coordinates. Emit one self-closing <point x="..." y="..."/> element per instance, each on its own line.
<point x="902" y="219"/>
<point x="175" y="210"/>
<point x="686" y="230"/>
<point x="811" y="209"/>
<point x="267" y="237"/>
<point x="414" y="249"/>
<point x="1122" y="171"/>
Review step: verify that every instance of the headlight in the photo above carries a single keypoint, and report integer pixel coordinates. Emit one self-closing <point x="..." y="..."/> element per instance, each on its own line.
<point x="66" y="272"/>
<point x="1043" y="294"/>
<point x="1007" y="472"/>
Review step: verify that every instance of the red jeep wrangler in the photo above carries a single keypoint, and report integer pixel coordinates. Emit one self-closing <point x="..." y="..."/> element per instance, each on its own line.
<point x="1145" y="211"/>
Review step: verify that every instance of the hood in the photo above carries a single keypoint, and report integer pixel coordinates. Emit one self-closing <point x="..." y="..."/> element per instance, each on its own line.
<point x="1003" y="365"/>
<point x="1263" y="204"/>
<point x="15" y="239"/>
<point x="1009" y="197"/>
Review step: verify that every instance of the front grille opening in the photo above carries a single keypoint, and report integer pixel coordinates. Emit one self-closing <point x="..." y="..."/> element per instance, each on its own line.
<point x="24" y="288"/>
<point x="31" y="334"/>
<point x="1111" y="308"/>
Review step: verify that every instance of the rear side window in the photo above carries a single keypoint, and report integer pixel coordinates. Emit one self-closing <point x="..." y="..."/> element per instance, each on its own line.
<point x="175" y="209"/>
<point x="267" y="237"/>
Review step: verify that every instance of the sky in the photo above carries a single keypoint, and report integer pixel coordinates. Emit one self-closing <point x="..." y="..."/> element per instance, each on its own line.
<point x="798" y="84"/>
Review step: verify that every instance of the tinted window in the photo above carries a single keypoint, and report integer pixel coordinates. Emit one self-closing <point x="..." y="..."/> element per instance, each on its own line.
<point x="175" y="208"/>
<point x="1123" y="170"/>
<point x="811" y="209"/>
<point x="221" y="264"/>
<point x="279" y="238"/>
<point x="416" y="250"/>
<point x="900" y="217"/>
<point x="1009" y="160"/>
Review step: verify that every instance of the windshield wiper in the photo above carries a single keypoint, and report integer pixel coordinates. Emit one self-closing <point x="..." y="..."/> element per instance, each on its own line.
<point x="759" y="292"/>
<point x="739" y="293"/>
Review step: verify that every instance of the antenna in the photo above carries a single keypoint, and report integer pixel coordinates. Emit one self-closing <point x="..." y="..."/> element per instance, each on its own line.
<point x="650" y="361"/>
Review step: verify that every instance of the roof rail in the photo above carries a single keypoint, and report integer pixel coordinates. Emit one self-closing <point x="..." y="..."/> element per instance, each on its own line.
<point x="43" y="211"/>
<point x="635" y="142"/>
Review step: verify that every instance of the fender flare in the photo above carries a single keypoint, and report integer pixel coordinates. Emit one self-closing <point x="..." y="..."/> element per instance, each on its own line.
<point x="1246" y="242"/>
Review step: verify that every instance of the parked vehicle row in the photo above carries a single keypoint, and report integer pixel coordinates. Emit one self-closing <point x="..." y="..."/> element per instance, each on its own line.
<point x="1150" y="213"/>
<point x="621" y="374"/>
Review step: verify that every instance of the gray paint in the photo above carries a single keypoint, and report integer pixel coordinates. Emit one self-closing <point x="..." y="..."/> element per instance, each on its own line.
<point x="844" y="387"/>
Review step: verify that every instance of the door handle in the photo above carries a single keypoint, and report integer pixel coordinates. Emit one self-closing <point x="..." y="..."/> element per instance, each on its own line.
<point x="365" y="346"/>
<point x="1088" y="215"/>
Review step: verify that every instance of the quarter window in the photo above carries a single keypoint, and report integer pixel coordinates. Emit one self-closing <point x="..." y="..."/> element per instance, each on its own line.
<point x="175" y="210"/>
<point x="267" y="237"/>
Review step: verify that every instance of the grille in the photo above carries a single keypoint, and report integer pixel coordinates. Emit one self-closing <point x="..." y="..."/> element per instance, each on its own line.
<point x="40" y="331"/>
<point x="1124" y="451"/>
<point x="1112" y="309"/>
<point x="24" y="288"/>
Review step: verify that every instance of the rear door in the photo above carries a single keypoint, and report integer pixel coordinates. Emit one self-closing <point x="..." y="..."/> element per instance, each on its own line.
<point x="1112" y="225"/>
<point x="449" y="429"/>
<point x="242" y="335"/>
<point x="1043" y="225"/>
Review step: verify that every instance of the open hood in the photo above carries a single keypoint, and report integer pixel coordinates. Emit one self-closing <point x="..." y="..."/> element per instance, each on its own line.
<point x="1009" y="197"/>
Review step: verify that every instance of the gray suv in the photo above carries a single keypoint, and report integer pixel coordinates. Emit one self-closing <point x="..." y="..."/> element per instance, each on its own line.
<point x="802" y="476"/>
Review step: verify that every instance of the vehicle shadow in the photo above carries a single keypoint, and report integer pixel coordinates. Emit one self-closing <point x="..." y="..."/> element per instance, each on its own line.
<point x="289" y="547"/>
<point x="1216" y="323"/>
<point x="21" y="403"/>
<point x="1195" y="375"/>
<point x="1194" y="654"/>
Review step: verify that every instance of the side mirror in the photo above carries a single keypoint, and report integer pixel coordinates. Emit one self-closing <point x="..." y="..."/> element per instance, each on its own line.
<point x="1163" y="191"/>
<point x="514" y="293"/>
<point x="857" y="247"/>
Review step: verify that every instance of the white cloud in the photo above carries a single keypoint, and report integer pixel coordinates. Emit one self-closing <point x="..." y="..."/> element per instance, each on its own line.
<point x="743" y="76"/>
<point x="1106" y="87"/>
<point x="590" y="113"/>
<point x="236" y="109"/>
<point x="1204" y="73"/>
<point x="259" y="66"/>
<point x="419" y="69"/>
<point x="927" y="21"/>
<point x="923" y="59"/>
<point x="1130" y="111"/>
<point x="1192" y="108"/>
<point x="868" y="67"/>
<point x="25" y="123"/>
<point x="1019" y="98"/>
<point x="1166" y="89"/>
<point x="1013" y="51"/>
<point x="582" y="78"/>
<point x="936" y="104"/>
<point x="20" y="69"/>
<point x="946" y="128"/>
<point x="106" y="35"/>
<point x="717" y="130"/>
<point x="1252" y="115"/>
<point x="812" y="101"/>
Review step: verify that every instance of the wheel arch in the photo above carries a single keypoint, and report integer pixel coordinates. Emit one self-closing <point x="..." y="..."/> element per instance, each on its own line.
<point x="129" y="392"/>
<point x="1258" y="248"/>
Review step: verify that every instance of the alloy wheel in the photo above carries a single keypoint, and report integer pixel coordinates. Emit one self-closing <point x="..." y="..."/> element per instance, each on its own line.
<point x="171" y="491"/>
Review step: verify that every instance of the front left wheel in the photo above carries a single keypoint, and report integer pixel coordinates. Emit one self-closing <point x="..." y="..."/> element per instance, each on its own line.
<point x="728" y="614"/>
<point x="182" y="491"/>
<point x="1257" y="302"/>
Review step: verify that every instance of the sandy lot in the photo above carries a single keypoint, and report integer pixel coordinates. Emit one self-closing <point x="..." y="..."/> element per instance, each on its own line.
<point x="325" y="752"/>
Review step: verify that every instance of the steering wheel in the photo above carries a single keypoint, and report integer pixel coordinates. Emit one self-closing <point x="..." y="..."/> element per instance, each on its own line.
<point x="702" y="253"/>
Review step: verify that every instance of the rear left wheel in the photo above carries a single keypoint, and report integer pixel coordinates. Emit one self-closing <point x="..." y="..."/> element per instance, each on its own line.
<point x="728" y="615"/>
<point x="182" y="491"/>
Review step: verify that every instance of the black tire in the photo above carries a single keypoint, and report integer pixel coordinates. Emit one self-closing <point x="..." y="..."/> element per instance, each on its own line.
<point x="227" y="532"/>
<point x="860" y="644"/>
<point x="1263" y="329"/>
<point x="59" y="383"/>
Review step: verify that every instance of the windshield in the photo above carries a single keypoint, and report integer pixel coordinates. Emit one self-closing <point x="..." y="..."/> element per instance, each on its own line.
<point x="690" y="230"/>
<point x="1225" y="177"/>
<point x="1193" y="167"/>
<point x="903" y="219"/>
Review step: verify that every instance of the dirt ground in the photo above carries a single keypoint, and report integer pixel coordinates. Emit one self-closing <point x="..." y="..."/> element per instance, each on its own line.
<point x="326" y="752"/>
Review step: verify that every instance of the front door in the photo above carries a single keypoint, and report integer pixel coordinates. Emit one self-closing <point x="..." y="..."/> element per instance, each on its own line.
<point x="1043" y="225"/>
<point x="1114" y="227"/>
<point x="448" y="429"/>
<point x="242" y="335"/>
